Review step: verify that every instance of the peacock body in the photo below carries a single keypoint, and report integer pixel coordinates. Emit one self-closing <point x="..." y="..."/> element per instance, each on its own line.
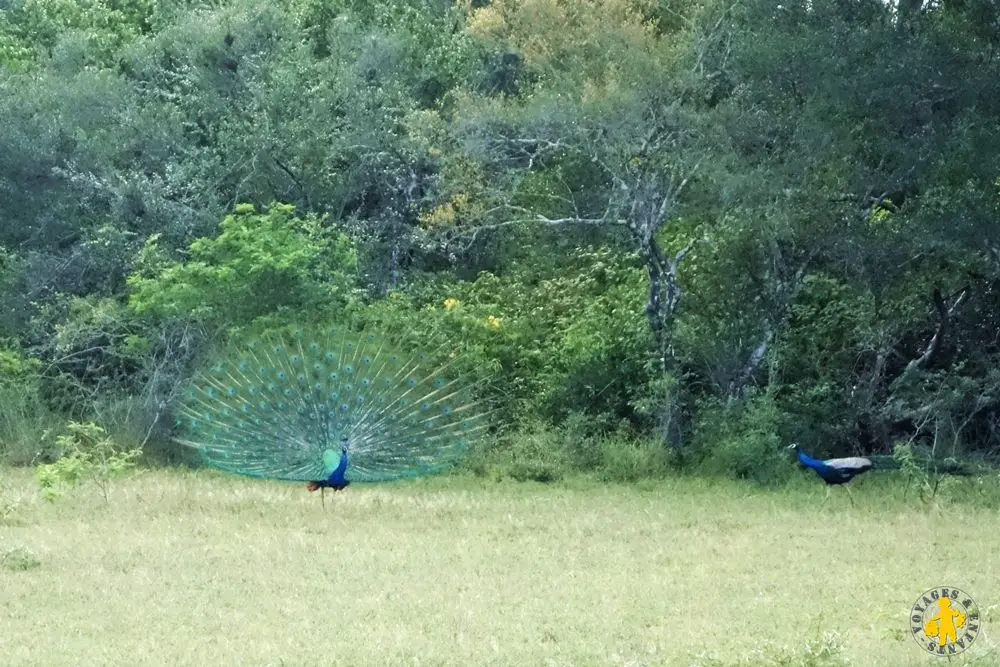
<point x="834" y="471"/>
<point x="330" y="409"/>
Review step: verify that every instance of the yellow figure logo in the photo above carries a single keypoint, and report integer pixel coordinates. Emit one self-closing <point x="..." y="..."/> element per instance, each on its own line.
<point x="943" y="625"/>
<point x="948" y="618"/>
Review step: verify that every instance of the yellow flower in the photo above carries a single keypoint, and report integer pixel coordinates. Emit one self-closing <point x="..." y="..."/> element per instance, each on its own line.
<point x="450" y="303"/>
<point x="493" y="321"/>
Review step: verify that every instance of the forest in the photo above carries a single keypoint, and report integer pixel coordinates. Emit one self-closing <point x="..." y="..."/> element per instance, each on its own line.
<point x="670" y="234"/>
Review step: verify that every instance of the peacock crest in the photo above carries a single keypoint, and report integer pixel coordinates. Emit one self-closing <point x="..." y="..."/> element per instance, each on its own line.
<point x="294" y="406"/>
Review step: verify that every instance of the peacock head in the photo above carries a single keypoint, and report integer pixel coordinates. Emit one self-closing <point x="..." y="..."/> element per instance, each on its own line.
<point x="794" y="446"/>
<point x="344" y="446"/>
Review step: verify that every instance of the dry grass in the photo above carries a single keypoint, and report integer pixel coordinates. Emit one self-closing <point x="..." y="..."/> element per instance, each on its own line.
<point x="203" y="569"/>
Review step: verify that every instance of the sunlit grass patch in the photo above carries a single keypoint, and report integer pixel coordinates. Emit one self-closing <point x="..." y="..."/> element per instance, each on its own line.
<point x="200" y="568"/>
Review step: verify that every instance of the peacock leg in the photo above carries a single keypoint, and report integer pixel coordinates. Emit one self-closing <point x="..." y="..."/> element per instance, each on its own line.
<point x="826" y="497"/>
<point x="849" y="494"/>
<point x="322" y="497"/>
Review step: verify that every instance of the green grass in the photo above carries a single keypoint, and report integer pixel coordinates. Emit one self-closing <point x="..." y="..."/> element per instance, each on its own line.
<point x="204" y="569"/>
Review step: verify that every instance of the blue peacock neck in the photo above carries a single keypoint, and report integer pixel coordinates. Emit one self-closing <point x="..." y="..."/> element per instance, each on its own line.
<point x="336" y="478"/>
<point x="805" y="459"/>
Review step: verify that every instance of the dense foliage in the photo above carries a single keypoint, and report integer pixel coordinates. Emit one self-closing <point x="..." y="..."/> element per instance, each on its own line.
<point x="696" y="231"/>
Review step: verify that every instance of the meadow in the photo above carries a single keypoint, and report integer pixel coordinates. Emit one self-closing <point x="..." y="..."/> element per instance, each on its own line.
<point x="200" y="568"/>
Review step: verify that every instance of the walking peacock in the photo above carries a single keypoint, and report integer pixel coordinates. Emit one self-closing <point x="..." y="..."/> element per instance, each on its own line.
<point x="834" y="471"/>
<point x="842" y="471"/>
<point x="331" y="409"/>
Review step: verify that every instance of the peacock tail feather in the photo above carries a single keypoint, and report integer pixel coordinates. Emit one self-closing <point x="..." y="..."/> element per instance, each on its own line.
<point x="284" y="406"/>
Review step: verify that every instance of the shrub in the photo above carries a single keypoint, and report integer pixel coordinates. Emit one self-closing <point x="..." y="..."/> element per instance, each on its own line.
<point x="535" y="453"/>
<point x="24" y="419"/>
<point x="19" y="559"/>
<point x="88" y="454"/>
<point x="260" y="264"/>
<point x="564" y="340"/>
<point x="742" y="440"/>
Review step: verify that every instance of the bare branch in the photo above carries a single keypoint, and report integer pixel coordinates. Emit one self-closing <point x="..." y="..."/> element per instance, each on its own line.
<point x="944" y="312"/>
<point x="295" y="180"/>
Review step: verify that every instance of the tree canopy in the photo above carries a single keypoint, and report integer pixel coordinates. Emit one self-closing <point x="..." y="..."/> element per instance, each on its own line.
<point x="715" y="227"/>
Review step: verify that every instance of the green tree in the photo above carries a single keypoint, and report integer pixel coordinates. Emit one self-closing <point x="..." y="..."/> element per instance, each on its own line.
<point x="260" y="264"/>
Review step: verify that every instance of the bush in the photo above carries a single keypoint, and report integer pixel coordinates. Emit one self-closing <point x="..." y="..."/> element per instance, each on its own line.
<point x="565" y="339"/>
<point x="88" y="454"/>
<point x="19" y="559"/>
<point x="626" y="457"/>
<point x="743" y="441"/>
<point x="532" y="455"/>
<point x="541" y="452"/>
<point x="24" y="419"/>
<point x="260" y="264"/>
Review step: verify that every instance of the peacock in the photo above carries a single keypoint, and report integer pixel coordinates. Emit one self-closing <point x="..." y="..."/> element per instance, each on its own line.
<point x="834" y="471"/>
<point x="330" y="409"/>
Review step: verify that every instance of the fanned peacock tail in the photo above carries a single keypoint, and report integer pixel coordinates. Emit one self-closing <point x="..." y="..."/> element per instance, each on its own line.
<point x="284" y="406"/>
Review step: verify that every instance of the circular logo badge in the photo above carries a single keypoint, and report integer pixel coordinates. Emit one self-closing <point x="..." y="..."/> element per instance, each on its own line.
<point x="944" y="621"/>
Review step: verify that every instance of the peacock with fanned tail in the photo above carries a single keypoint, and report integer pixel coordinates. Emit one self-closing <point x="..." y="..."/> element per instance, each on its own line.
<point x="331" y="409"/>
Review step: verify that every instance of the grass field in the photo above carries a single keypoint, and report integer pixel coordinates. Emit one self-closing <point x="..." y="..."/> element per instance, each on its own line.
<point x="203" y="569"/>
